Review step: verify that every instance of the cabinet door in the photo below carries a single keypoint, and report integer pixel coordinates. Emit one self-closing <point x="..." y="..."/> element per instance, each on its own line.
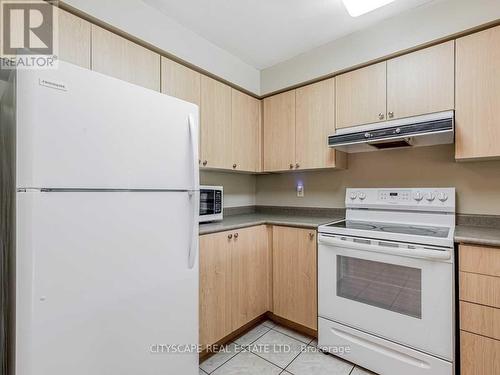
<point x="125" y="60"/>
<point x="215" y="287"/>
<point x="245" y="132"/>
<point x="74" y="39"/>
<point x="478" y="95"/>
<point x="361" y="96"/>
<point x="315" y="121"/>
<point x="215" y="124"/>
<point x="421" y="82"/>
<point x="179" y="81"/>
<point x="250" y="269"/>
<point x="279" y="132"/>
<point x="295" y="275"/>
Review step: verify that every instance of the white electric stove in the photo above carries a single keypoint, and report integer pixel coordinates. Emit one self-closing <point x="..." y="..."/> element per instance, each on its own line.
<point x="386" y="281"/>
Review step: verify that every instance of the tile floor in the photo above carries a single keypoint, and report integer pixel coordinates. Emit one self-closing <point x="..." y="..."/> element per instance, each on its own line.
<point x="257" y="352"/>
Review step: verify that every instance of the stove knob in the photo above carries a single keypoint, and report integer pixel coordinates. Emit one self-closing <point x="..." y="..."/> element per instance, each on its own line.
<point x="430" y="196"/>
<point x="362" y="196"/>
<point x="443" y="197"/>
<point x="418" y="196"/>
<point x="354" y="195"/>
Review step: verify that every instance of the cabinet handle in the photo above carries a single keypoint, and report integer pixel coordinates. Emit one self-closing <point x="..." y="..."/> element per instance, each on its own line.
<point x="234" y="166"/>
<point x="205" y="162"/>
<point x="236" y="235"/>
<point x="297" y="165"/>
<point x="229" y="236"/>
<point x="291" y="166"/>
<point x="391" y="114"/>
<point x="380" y="116"/>
<point x="311" y="235"/>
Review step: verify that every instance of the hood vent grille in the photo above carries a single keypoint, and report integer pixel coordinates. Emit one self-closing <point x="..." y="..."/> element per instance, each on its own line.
<point x="418" y="131"/>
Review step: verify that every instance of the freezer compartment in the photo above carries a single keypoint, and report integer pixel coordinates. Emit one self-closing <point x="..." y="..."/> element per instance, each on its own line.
<point x="81" y="129"/>
<point x="376" y="354"/>
<point x="103" y="277"/>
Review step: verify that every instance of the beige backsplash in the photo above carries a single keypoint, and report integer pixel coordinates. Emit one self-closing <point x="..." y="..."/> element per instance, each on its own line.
<point x="239" y="189"/>
<point x="477" y="183"/>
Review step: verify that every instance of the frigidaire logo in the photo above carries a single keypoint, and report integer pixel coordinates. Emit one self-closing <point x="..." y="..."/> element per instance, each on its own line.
<point x="28" y="33"/>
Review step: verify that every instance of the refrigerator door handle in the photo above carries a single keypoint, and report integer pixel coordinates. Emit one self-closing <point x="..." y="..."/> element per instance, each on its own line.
<point x="193" y="132"/>
<point x="193" y="242"/>
<point x="194" y="194"/>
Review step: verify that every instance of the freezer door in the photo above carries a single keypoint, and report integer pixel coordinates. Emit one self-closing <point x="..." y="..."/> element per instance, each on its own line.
<point x="104" y="284"/>
<point x="81" y="129"/>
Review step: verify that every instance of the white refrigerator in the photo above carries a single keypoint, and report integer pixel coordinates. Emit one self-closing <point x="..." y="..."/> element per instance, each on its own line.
<point x="101" y="179"/>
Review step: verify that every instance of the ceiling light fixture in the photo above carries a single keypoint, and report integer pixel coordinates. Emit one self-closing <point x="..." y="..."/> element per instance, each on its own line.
<point x="358" y="7"/>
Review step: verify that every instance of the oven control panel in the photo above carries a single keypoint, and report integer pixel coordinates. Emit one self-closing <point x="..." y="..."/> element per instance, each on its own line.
<point x="434" y="199"/>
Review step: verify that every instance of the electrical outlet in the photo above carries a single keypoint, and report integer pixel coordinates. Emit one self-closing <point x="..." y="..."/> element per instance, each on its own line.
<point x="300" y="190"/>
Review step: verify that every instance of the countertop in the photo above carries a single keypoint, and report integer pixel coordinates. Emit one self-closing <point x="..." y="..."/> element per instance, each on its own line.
<point x="477" y="235"/>
<point x="471" y="234"/>
<point x="248" y="220"/>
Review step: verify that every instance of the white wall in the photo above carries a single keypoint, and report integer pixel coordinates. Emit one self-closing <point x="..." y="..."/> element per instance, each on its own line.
<point x="418" y="26"/>
<point x="146" y="23"/>
<point x="239" y="189"/>
<point x="477" y="183"/>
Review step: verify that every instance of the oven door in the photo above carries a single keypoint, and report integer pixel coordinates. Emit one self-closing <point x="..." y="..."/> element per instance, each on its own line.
<point x="402" y="294"/>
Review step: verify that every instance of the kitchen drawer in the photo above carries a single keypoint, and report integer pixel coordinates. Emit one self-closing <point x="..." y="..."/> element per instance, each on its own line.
<point x="481" y="289"/>
<point x="480" y="259"/>
<point x="479" y="355"/>
<point x="480" y="319"/>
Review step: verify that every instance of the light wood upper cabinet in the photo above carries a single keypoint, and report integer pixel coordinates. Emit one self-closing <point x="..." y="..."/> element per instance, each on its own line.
<point x="215" y="124"/>
<point x="295" y="275"/>
<point x="421" y="82"/>
<point x="215" y="287"/>
<point x="123" y="59"/>
<point x="250" y="267"/>
<point x="179" y="81"/>
<point x="315" y="121"/>
<point x="74" y="39"/>
<point x="279" y="132"/>
<point x="246" y="132"/>
<point x="361" y="96"/>
<point x="477" y="127"/>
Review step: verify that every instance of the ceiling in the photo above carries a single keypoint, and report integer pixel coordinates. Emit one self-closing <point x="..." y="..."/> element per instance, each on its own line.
<point x="263" y="33"/>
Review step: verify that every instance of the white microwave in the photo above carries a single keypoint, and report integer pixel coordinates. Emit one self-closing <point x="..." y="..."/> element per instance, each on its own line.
<point x="211" y="203"/>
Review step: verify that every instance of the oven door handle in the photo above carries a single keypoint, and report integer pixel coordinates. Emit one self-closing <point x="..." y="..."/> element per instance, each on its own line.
<point x="410" y="253"/>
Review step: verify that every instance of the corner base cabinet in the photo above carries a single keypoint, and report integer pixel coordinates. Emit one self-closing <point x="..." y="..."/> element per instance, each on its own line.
<point x="295" y="275"/>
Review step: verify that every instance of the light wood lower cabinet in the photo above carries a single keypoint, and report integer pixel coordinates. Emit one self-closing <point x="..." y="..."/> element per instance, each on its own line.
<point x="479" y="294"/>
<point x="479" y="355"/>
<point x="234" y="280"/>
<point x="245" y="273"/>
<point x="295" y="275"/>
<point x="250" y="263"/>
<point x="215" y="287"/>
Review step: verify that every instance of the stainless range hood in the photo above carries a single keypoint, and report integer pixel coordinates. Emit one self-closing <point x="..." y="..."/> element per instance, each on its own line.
<point x="426" y="130"/>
